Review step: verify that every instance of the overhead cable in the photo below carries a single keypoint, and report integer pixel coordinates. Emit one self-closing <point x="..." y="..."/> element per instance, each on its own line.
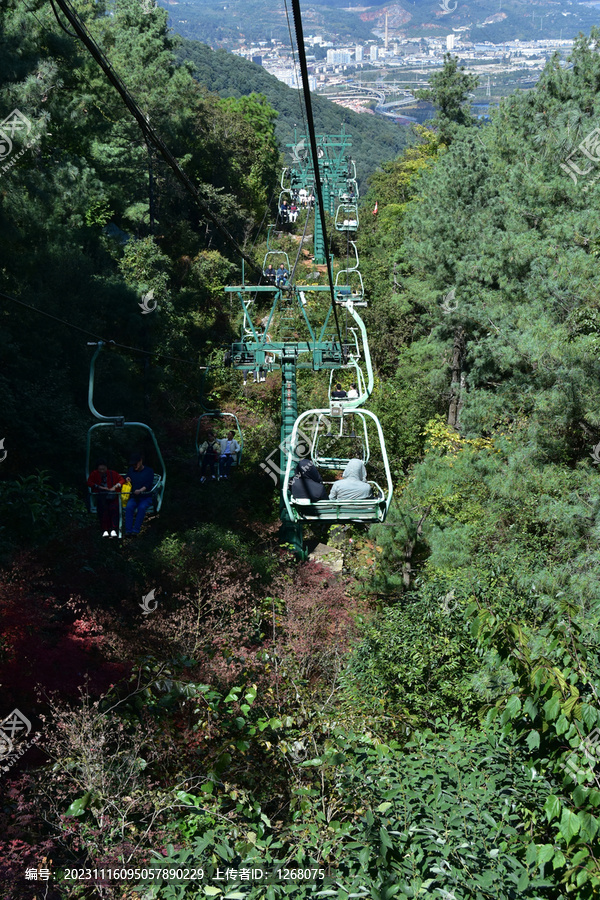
<point x="313" y="147"/>
<point x="42" y="312"/>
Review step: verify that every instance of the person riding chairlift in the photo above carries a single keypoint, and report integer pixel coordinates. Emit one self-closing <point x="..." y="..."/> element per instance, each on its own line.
<point x="307" y="483"/>
<point x="209" y="452"/>
<point x="282" y="275"/>
<point x="229" y="454"/>
<point x="141" y="479"/>
<point x="106" y="484"/>
<point x="353" y="484"/>
<point x="339" y="393"/>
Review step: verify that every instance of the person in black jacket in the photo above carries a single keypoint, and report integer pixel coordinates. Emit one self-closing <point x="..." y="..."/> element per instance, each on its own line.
<point x="307" y="483"/>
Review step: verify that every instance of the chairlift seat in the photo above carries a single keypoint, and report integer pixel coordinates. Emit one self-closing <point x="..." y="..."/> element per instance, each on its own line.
<point x="372" y="509"/>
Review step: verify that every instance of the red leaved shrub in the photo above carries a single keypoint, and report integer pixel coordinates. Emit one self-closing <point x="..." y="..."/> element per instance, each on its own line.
<point x="317" y="627"/>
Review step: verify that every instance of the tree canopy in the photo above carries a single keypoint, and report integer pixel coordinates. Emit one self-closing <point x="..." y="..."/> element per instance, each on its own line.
<point x="424" y="722"/>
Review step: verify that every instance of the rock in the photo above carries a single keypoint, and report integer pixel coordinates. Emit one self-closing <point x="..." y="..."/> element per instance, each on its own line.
<point x="328" y="557"/>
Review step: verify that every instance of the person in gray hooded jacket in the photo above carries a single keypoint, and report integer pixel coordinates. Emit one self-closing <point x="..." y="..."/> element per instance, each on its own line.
<point x="353" y="484"/>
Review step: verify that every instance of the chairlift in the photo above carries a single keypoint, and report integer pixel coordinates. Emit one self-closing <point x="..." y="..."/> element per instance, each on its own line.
<point x="342" y="403"/>
<point x="216" y="415"/>
<point x="346" y="216"/>
<point x="349" y="283"/>
<point x="205" y="424"/>
<point x="324" y="437"/>
<point x="373" y="509"/>
<point x="275" y="257"/>
<point x="118" y="435"/>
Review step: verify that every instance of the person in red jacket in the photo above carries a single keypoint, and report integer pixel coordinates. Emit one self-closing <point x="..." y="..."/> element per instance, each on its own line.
<point x="106" y="485"/>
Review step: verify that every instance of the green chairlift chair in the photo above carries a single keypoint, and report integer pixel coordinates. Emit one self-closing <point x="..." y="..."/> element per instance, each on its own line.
<point x="112" y="430"/>
<point x="371" y="510"/>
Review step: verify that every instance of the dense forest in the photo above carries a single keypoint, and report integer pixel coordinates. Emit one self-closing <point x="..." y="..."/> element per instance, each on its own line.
<point x="425" y="722"/>
<point x="374" y="139"/>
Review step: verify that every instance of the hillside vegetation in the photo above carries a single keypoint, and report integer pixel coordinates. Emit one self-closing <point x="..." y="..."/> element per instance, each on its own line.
<point x="422" y="724"/>
<point x="374" y="140"/>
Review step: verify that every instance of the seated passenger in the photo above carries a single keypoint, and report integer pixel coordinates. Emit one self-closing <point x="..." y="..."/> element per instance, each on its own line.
<point x="353" y="484"/>
<point x="339" y="394"/>
<point x="141" y="479"/>
<point x="106" y="486"/>
<point x="282" y="275"/>
<point x="209" y="453"/>
<point x="229" y="454"/>
<point x="270" y="274"/>
<point x="307" y="483"/>
<point x="353" y="393"/>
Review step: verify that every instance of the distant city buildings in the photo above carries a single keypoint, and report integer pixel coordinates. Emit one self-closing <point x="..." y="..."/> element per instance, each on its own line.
<point x="339" y="57"/>
<point x="333" y="66"/>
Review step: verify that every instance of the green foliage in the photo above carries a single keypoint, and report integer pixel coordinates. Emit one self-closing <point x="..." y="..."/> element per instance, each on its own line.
<point x="419" y="658"/>
<point x="374" y="141"/>
<point x="32" y="509"/>
<point x="439" y="814"/>
<point x="449" y="91"/>
<point x="258" y="167"/>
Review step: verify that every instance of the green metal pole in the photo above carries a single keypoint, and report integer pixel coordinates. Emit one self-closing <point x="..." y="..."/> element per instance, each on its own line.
<point x="290" y="531"/>
<point x="319" y="239"/>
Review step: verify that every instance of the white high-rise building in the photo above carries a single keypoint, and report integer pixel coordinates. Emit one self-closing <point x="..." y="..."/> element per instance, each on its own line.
<point x="450" y="42"/>
<point x="373" y="52"/>
<point x="358" y="53"/>
<point x="338" y="57"/>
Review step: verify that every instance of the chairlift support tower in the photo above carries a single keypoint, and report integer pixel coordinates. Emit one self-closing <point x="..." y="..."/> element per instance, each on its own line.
<point x="337" y="172"/>
<point x="320" y="350"/>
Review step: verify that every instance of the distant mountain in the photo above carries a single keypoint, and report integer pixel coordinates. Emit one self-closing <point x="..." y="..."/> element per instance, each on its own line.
<point x="486" y="20"/>
<point x="374" y="140"/>
<point x="346" y="21"/>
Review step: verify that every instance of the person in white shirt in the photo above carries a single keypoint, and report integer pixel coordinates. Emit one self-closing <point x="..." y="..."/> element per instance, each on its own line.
<point x="229" y="454"/>
<point x="353" y="393"/>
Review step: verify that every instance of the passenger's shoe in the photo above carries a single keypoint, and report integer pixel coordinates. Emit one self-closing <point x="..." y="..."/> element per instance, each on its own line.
<point x="105" y="534"/>
<point x="203" y="479"/>
<point x="113" y="533"/>
<point x="214" y="478"/>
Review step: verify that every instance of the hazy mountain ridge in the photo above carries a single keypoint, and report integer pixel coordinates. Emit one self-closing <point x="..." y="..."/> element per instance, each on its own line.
<point x="342" y="21"/>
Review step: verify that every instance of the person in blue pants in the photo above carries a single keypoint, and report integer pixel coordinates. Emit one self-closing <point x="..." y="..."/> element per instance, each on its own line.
<point x="229" y="455"/>
<point x="141" y="479"/>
